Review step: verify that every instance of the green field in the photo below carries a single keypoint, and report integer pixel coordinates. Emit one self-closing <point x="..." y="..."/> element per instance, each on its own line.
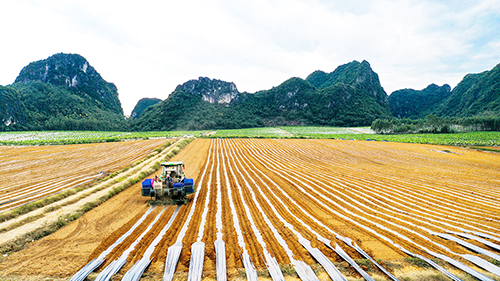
<point x="265" y="132"/>
<point x="458" y="139"/>
<point x="73" y="137"/>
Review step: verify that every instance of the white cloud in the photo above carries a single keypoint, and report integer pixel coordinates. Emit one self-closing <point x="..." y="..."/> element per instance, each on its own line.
<point x="149" y="47"/>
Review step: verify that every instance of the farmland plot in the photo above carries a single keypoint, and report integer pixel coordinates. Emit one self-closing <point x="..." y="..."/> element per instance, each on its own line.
<point x="298" y="201"/>
<point x="32" y="172"/>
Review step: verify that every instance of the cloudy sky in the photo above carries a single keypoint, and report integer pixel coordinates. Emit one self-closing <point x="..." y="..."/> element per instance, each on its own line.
<point x="149" y="47"/>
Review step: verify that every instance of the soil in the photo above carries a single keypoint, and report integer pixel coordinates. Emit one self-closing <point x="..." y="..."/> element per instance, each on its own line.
<point x="334" y="186"/>
<point x="67" y="250"/>
<point x="28" y="173"/>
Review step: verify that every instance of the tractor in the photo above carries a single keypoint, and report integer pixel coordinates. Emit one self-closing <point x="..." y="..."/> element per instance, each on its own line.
<point x="171" y="187"/>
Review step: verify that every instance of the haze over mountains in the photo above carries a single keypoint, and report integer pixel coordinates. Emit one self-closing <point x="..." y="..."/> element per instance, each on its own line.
<point x="64" y="92"/>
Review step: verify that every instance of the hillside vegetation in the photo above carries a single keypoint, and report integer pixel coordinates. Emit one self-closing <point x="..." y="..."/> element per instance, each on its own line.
<point x="476" y="95"/>
<point x="349" y="96"/>
<point x="416" y="104"/>
<point x="64" y="92"/>
<point x="141" y="106"/>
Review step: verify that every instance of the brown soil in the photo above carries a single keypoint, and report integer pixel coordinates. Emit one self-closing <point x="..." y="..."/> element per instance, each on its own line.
<point x="399" y="186"/>
<point x="67" y="250"/>
<point x="31" y="172"/>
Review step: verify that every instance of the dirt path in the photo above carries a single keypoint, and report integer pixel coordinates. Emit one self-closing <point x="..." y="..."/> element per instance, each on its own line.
<point x="360" y="190"/>
<point x="65" y="251"/>
<point x="29" y="173"/>
<point x="90" y="195"/>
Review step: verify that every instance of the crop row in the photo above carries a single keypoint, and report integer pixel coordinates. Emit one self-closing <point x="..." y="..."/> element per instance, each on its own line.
<point x="361" y="133"/>
<point x="29" y="173"/>
<point x="295" y="201"/>
<point x="75" y="137"/>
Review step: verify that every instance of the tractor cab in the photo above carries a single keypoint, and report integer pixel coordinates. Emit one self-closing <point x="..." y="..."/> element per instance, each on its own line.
<point x="173" y="170"/>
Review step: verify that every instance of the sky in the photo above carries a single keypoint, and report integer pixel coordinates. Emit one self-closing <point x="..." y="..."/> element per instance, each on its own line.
<point x="147" y="48"/>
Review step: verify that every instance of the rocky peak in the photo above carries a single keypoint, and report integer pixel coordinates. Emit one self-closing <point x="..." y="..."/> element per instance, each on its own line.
<point x="356" y="74"/>
<point x="211" y="90"/>
<point x="74" y="72"/>
<point x="59" y="70"/>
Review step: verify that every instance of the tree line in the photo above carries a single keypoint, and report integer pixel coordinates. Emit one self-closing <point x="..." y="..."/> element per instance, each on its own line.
<point x="435" y="124"/>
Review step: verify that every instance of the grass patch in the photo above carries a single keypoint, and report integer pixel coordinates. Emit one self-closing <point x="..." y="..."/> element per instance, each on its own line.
<point x="490" y="149"/>
<point x="425" y="276"/>
<point x="263" y="272"/>
<point x="19" y="223"/>
<point x="417" y="262"/>
<point x="288" y="270"/>
<point x="21" y="242"/>
<point x="367" y="265"/>
<point x="14" y="213"/>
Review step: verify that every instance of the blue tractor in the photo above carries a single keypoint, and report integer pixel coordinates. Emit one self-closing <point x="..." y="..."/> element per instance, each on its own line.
<point x="171" y="187"/>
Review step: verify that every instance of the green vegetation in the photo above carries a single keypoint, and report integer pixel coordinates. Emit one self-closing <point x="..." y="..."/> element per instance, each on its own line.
<point x="142" y="105"/>
<point x="21" y="242"/>
<point x="349" y="96"/>
<point x="435" y="124"/>
<point x="319" y="132"/>
<point x="73" y="73"/>
<point x="414" y="104"/>
<point x="266" y="132"/>
<point x="62" y="92"/>
<point x="457" y="139"/>
<point x="314" y="132"/>
<point x="75" y="137"/>
<point x="476" y="95"/>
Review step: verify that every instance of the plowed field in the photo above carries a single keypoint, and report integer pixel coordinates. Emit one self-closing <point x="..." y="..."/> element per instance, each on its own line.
<point x="31" y="172"/>
<point x="376" y="193"/>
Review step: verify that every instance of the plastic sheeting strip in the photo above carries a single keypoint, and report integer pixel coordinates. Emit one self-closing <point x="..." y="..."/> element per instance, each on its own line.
<point x="173" y="254"/>
<point x="482" y="263"/>
<point x="485" y="235"/>
<point x="220" y="246"/>
<point x="468" y="245"/>
<point x="135" y="273"/>
<point x="433" y="264"/>
<point x="470" y="236"/>
<point x="220" y="252"/>
<point x="196" y="264"/>
<point x="95" y="263"/>
<point x="329" y="267"/>
<point x="351" y="244"/>
<point x="116" y="266"/>
<point x="462" y="266"/>
<point x="346" y="257"/>
<point x="86" y="270"/>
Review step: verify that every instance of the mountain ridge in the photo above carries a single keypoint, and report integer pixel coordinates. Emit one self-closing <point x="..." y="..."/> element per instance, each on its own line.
<point x="350" y="95"/>
<point x="62" y="92"/>
<point x="65" y="92"/>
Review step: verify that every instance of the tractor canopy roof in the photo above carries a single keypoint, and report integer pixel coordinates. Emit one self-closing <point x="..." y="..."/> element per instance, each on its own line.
<point x="173" y="163"/>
